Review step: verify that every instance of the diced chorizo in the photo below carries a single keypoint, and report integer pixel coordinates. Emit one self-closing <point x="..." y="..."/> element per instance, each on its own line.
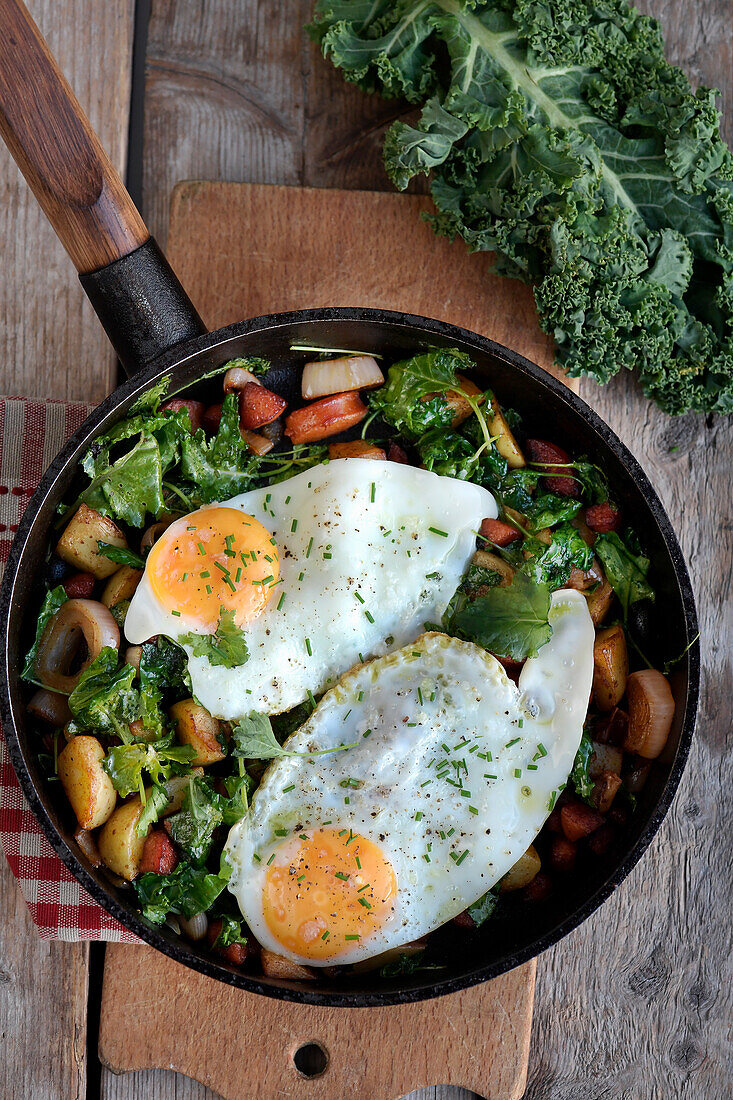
<point x="558" y="470"/>
<point x="258" y="406"/>
<point x="602" y="518"/>
<point x="159" y="855"/>
<point x="326" y="417"/>
<point x="498" y="533"/>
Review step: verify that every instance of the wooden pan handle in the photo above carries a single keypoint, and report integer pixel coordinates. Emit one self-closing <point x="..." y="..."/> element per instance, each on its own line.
<point x="58" y="152"/>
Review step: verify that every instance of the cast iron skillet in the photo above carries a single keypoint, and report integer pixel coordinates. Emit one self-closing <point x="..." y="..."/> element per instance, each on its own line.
<point x="158" y="334"/>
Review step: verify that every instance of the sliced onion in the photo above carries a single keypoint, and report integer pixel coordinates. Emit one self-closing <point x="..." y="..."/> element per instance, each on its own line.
<point x="358" y="372"/>
<point x="133" y="653"/>
<point x="651" y="710"/>
<point x="236" y="378"/>
<point x="88" y="846"/>
<point x="153" y="533"/>
<point x="75" y="620"/>
<point x="50" y="707"/>
<point x="194" y="927"/>
<point x="257" y="443"/>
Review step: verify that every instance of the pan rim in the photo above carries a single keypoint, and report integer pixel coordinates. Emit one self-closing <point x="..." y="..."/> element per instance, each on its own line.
<point x="177" y="358"/>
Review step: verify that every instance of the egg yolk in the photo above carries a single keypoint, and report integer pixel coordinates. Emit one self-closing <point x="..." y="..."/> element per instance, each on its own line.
<point x="327" y="890"/>
<point x="215" y="558"/>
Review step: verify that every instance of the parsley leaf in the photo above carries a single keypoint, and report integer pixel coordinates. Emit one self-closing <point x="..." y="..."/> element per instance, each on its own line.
<point x="201" y="814"/>
<point x="482" y="909"/>
<point x="231" y="932"/>
<point x="254" y="739"/>
<point x="227" y="646"/>
<point x="53" y="601"/>
<point x="163" y="673"/>
<point x="548" y="509"/>
<point x="511" y="621"/>
<point x="626" y="571"/>
<point x="579" y="775"/>
<point x="120" y="554"/>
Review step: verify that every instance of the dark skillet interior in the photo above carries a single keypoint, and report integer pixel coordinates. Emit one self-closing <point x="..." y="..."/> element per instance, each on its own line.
<point x="550" y="411"/>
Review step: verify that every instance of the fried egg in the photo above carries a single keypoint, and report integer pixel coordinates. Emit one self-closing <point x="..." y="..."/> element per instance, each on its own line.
<point x="344" y="561"/>
<point x="451" y="772"/>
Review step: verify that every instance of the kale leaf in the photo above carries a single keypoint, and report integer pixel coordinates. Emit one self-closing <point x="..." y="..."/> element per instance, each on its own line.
<point x="188" y="891"/>
<point x="230" y="932"/>
<point x="511" y="621"/>
<point x="104" y="700"/>
<point x="125" y="764"/>
<point x="566" y="550"/>
<point x="558" y="136"/>
<point x="548" y="509"/>
<point x="224" y="466"/>
<point x="193" y="827"/>
<point x="51" y="604"/>
<point x="163" y="675"/>
<point x="129" y="488"/>
<point x="227" y="646"/>
<point x="625" y="570"/>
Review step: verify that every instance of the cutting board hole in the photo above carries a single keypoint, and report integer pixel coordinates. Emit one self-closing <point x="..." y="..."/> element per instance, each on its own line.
<point x="310" y="1060"/>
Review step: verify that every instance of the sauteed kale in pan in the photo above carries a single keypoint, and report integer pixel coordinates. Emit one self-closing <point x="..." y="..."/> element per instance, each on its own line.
<point x="290" y="723"/>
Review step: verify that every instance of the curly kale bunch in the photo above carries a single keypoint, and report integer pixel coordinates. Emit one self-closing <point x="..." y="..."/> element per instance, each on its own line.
<point x="557" y="135"/>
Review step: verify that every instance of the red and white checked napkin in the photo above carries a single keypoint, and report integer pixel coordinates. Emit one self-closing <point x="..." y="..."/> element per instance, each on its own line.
<point x="31" y="434"/>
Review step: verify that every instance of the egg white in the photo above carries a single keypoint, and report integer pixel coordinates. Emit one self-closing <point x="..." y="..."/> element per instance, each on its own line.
<point x="435" y="692"/>
<point x="363" y="566"/>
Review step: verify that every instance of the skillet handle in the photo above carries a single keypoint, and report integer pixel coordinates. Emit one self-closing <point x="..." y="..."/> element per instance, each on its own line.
<point x="138" y="298"/>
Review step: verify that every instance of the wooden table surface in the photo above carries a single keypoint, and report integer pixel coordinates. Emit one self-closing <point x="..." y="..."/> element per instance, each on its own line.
<point x="636" y="1003"/>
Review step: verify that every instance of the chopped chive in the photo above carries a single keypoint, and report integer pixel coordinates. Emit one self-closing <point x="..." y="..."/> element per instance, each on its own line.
<point x="360" y="696"/>
<point x="270" y="859"/>
<point x="369" y="616"/>
<point x="366" y="734"/>
<point x="461" y="857"/>
<point x="510" y="743"/>
<point x="351" y="937"/>
<point x="290" y="788"/>
<point x="287" y="500"/>
<point x="342" y="876"/>
<point x="312" y="701"/>
<point x="431" y="576"/>
<point x="176" y="613"/>
<point x="451" y="832"/>
<point x="520" y="723"/>
<point x="281" y="601"/>
<point x="426" y="857"/>
<point x="302" y="836"/>
<point x="418" y="815"/>
<point x="268" y="558"/>
<point x="281" y="832"/>
<point x="419" y="697"/>
<point x="437" y="531"/>
<point x="552" y="801"/>
<point x="184" y="577"/>
<point x="294" y="526"/>
<point x="488" y="776"/>
<point x="426" y="782"/>
<point x="238" y="575"/>
<point x="373" y="493"/>
<point x="310" y="547"/>
<point x="205" y="574"/>
<point x="255" y="856"/>
<point x="472" y="810"/>
<point x="531" y="767"/>
<point x="325" y="935"/>
<point x="465" y="794"/>
<point x="541" y="749"/>
<point x="208" y="589"/>
<point x="365" y="903"/>
<point x="364" y="887"/>
<point x="201" y="549"/>
<point x="517" y="773"/>
<point x="190" y="528"/>
<point x="359" y="597"/>
<point x="309" y="651"/>
<point x="230" y="583"/>
<point x="327" y="556"/>
<point x="347" y="800"/>
<point x="358" y="862"/>
<point x="526" y="791"/>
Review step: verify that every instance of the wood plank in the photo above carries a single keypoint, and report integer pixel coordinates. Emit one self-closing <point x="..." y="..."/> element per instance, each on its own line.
<point x="381" y="1052"/>
<point x="321" y="247"/>
<point x="51" y="345"/>
<point x="52" y="341"/>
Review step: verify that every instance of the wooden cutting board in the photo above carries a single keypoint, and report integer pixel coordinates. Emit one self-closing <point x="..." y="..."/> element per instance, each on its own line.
<point x="242" y="250"/>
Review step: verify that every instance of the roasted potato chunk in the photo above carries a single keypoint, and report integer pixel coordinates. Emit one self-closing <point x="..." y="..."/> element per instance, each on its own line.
<point x="506" y="444"/>
<point x="196" y="727"/>
<point x="486" y="560"/>
<point x="79" y="543"/>
<point x="121" y="585"/>
<point x="277" y="966"/>
<point x="88" y="787"/>
<point x="523" y="871"/>
<point x="119" y="845"/>
<point x="610" y="667"/>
